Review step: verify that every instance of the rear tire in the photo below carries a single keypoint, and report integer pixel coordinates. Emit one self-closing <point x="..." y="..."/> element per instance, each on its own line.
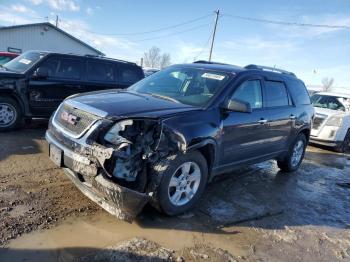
<point x="10" y="114"/>
<point x="345" y="145"/>
<point x="295" y="155"/>
<point x="183" y="178"/>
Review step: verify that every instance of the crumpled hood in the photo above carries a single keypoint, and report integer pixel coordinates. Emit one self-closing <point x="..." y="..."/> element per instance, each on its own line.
<point x="123" y="103"/>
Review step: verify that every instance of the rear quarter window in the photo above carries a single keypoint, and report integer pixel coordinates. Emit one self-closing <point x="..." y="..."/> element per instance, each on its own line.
<point x="276" y="94"/>
<point x="299" y="92"/>
<point x="130" y="74"/>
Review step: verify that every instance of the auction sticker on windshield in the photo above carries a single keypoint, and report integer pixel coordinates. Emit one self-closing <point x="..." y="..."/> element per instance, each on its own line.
<point x="25" y="61"/>
<point x="213" y="76"/>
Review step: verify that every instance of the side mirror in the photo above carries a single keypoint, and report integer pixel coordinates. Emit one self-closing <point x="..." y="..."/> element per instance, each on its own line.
<point x="41" y="73"/>
<point x="238" y="106"/>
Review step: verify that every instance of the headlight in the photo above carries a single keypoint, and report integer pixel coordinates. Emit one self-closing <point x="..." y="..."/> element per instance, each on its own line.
<point x="113" y="135"/>
<point x="335" y="121"/>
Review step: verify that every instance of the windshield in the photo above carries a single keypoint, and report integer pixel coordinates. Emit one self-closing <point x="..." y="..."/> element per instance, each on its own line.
<point x="331" y="102"/>
<point x="23" y="62"/>
<point x="190" y="86"/>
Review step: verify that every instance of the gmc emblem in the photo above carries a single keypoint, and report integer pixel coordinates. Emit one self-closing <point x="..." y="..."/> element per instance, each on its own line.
<point x="69" y="118"/>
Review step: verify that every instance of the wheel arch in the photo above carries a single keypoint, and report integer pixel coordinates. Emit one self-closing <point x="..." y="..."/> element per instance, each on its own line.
<point x="14" y="96"/>
<point x="208" y="149"/>
<point x="306" y="131"/>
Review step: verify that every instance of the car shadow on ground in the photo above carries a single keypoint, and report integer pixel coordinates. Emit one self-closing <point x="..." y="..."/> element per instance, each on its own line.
<point x="262" y="196"/>
<point x="22" y="141"/>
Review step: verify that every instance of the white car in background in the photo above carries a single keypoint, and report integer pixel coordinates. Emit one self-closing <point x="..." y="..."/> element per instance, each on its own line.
<point x="331" y="125"/>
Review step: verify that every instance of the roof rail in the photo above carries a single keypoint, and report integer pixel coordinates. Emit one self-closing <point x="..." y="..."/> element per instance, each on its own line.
<point x="109" y="58"/>
<point x="271" y="69"/>
<point x="208" y="62"/>
<point x="91" y="55"/>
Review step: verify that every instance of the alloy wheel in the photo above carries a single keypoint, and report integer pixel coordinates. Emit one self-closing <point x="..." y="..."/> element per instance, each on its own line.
<point x="298" y="152"/>
<point x="8" y="114"/>
<point x="184" y="183"/>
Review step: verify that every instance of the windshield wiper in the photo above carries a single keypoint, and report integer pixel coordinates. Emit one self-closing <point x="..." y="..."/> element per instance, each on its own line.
<point x="164" y="97"/>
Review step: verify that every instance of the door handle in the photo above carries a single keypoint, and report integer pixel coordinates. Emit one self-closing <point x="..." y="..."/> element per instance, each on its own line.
<point x="262" y="121"/>
<point x="292" y="117"/>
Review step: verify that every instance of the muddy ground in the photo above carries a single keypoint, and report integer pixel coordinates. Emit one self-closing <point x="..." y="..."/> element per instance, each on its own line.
<point x="253" y="214"/>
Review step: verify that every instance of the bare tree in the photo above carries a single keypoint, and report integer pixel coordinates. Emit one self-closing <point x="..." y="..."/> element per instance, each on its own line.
<point x="327" y="83"/>
<point x="155" y="59"/>
<point x="152" y="57"/>
<point x="165" y="60"/>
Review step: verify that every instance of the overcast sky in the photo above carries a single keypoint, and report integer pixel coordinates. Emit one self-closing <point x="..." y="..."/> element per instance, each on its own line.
<point x="112" y="26"/>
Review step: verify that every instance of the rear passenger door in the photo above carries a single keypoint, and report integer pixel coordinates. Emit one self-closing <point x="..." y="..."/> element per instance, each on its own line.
<point x="100" y="75"/>
<point x="129" y="75"/>
<point x="279" y="111"/>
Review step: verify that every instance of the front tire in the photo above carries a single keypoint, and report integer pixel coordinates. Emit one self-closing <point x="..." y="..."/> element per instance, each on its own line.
<point x="183" y="180"/>
<point x="10" y="114"/>
<point x="295" y="155"/>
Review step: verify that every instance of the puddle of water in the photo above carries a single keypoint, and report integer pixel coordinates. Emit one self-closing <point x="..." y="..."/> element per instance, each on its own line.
<point x="79" y="236"/>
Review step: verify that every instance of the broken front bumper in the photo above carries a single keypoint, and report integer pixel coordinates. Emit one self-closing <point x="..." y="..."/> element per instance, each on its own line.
<point x="119" y="201"/>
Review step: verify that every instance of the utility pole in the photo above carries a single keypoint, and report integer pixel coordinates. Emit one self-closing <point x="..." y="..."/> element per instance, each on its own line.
<point x="56" y="20"/>
<point x="217" y="12"/>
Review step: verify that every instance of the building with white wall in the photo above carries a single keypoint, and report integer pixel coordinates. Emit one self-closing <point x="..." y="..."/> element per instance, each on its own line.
<point x="42" y="36"/>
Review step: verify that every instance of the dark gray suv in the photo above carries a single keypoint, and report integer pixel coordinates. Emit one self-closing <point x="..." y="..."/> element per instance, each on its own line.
<point x="162" y="139"/>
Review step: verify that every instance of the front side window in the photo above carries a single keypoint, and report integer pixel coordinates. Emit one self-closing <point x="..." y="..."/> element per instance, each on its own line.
<point x="331" y="102"/>
<point x="62" y="68"/>
<point x="250" y="92"/>
<point x="276" y="94"/>
<point x="23" y="62"/>
<point x="191" y="86"/>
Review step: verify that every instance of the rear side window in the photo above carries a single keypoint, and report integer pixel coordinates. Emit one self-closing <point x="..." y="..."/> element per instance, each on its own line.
<point x="130" y="74"/>
<point x="299" y="93"/>
<point x="100" y="71"/>
<point x="250" y="92"/>
<point x="276" y="94"/>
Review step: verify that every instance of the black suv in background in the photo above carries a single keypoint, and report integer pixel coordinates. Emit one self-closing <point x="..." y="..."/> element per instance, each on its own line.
<point x="162" y="139"/>
<point x="35" y="83"/>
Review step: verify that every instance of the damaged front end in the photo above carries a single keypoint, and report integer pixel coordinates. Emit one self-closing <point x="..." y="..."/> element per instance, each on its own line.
<point x="110" y="163"/>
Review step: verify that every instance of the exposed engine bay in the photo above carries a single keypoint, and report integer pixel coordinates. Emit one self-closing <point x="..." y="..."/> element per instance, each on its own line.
<point x="113" y="166"/>
<point x="136" y="143"/>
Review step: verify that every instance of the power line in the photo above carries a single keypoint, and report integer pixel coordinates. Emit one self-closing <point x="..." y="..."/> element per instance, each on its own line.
<point x="286" y="22"/>
<point x="156" y="30"/>
<point x="175" y="33"/>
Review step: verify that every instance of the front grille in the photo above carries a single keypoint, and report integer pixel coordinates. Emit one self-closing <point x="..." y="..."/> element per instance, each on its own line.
<point x="79" y="121"/>
<point x="317" y="122"/>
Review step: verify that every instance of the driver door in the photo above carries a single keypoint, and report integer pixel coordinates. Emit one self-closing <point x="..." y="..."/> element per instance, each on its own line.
<point x="63" y="77"/>
<point x="244" y="134"/>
